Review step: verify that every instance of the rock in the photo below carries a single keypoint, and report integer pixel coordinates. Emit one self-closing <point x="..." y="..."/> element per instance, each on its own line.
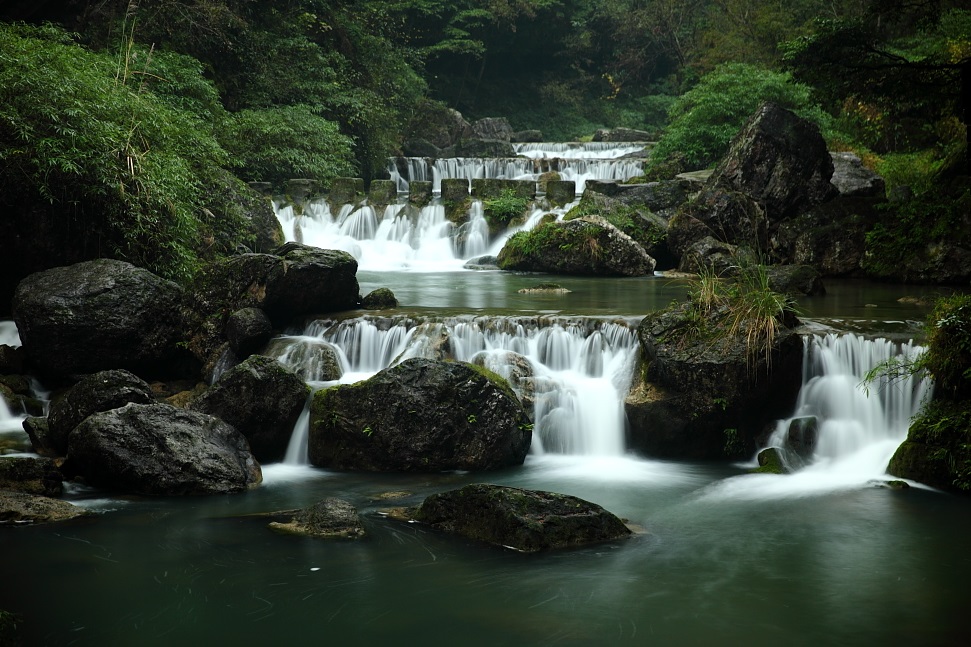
<point x="420" y="415"/>
<point x="770" y="462"/>
<point x="542" y="182"/>
<point x="662" y="196"/>
<point x="694" y="387"/>
<point x="455" y="197"/>
<point x="795" y="280"/>
<point x="380" y="299"/>
<point x="439" y="125"/>
<point x="710" y="254"/>
<point x="525" y="520"/>
<point x="621" y="135"/>
<point x="588" y="245"/>
<point x="97" y="315"/>
<point x="545" y="288"/>
<point x="11" y="360"/>
<point x="30" y="475"/>
<point x="313" y="360"/>
<point x="262" y="400"/>
<point x="18" y="507"/>
<point x="420" y="148"/>
<point x="101" y="391"/>
<point x="802" y="436"/>
<point x="561" y="192"/>
<point x="38" y="431"/>
<point x="492" y="128"/>
<point x="382" y="193"/>
<point x="345" y="190"/>
<point x="248" y="331"/>
<point x="937" y="450"/>
<point x="329" y="518"/>
<point x="483" y="148"/>
<point x="420" y="192"/>
<point x="298" y="190"/>
<point x="161" y="450"/>
<point x="634" y="219"/>
<point x="487" y="262"/>
<point x="852" y="179"/>
<point x="527" y="136"/>
<point x="485" y="188"/>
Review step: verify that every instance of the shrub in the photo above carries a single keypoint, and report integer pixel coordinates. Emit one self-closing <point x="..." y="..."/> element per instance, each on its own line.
<point x="505" y="207"/>
<point x="704" y="120"/>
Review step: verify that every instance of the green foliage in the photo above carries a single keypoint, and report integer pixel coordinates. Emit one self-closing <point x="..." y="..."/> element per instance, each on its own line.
<point x="949" y="346"/>
<point x="276" y="144"/>
<point x="81" y="130"/>
<point x="706" y="118"/>
<point x="939" y="442"/>
<point x="524" y="245"/>
<point x="505" y="207"/>
<point x="625" y="218"/>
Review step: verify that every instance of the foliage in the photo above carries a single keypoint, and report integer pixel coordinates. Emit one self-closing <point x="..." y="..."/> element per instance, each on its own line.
<point x="276" y="144"/>
<point x="80" y="130"/>
<point x="706" y="118"/>
<point x="625" y="218"/>
<point x="949" y="346"/>
<point x="505" y="207"/>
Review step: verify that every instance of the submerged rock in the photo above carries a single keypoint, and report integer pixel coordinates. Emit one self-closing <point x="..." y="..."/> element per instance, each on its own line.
<point x="770" y="462"/>
<point x="161" y="450"/>
<point x="18" y="507"/>
<point x="420" y="415"/>
<point x="329" y="518"/>
<point x="261" y="399"/>
<point x="525" y="520"/>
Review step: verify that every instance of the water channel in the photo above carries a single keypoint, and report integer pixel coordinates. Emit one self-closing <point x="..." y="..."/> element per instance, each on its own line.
<point x="725" y="557"/>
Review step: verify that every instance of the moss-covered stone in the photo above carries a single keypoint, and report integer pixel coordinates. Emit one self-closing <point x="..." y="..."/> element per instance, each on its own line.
<point x="380" y="299"/>
<point x="419" y="192"/>
<point x="937" y="451"/>
<point x="561" y="192"/>
<point x="382" y="193"/>
<point x="345" y="190"/>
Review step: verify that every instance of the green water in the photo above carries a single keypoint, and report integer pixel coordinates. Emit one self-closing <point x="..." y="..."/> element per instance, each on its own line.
<point x="725" y="558"/>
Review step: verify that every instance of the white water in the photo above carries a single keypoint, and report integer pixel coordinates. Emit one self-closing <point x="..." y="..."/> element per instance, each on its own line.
<point x="575" y="372"/>
<point x="859" y="425"/>
<point x="577" y="150"/>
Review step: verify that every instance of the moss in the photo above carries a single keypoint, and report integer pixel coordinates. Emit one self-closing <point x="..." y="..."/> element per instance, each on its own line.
<point x="501" y="382"/>
<point x="938" y="447"/>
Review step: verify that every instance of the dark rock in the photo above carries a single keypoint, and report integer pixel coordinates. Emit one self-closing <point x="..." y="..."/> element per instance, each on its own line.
<point x="937" y="451"/>
<point x="770" y="462"/>
<point x="328" y="519"/>
<point x="11" y="359"/>
<point x="262" y="400"/>
<point x="380" y="299"/>
<point x="98" y="315"/>
<point x="421" y="415"/>
<point x="299" y="190"/>
<point x="634" y="219"/>
<point x="455" y="197"/>
<point x="660" y="196"/>
<point x="852" y="179"/>
<point x="439" y="125"/>
<point x="732" y="216"/>
<point x="248" y="330"/>
<point x="525" y="520"/>
<point x="710" y="254"/>
<point x="101" y="391"/>
<point x="420" y="192"/>
<point x="527" y="136"/>
<point x="588" y="245"/>
<point x="684" y="230"/>
<point x="345" y="190"/>
<point x="621" y="135"/>
<point x="38" y="431"/>
<point x="420" y="148"/>
<point x="496" y="128"/>
<point x="382" y="193"/>
<point x="703" y="397"/>
<point x="161" y="450"/>
<point x="483" y="148"/>
<point x="487" y="262"/>
<point x="18" y="507"/>
<point x="561" y="192"/>
<point x="313" y="360"/>
<point x="795" y="280"/>
<point x="30" y="475"/>
<point x="802" y="436"/>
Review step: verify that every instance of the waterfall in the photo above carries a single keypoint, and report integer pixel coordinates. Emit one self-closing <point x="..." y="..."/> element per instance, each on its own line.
<point x="572" y="373"/>
<point x="858" y="425"/>
<point x="578" y="150"/>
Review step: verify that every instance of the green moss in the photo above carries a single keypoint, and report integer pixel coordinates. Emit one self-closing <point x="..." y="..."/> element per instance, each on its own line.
<point x="938" y="447"/>
<point x="501" y="382"/>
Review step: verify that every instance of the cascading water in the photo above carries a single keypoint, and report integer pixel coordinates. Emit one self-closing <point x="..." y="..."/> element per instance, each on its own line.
<point x="573" y="373"/>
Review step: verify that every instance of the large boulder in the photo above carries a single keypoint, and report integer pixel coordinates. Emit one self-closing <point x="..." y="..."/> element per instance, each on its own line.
<point x="525" y="520"/>
<point x="632" y="217"/>
<point x="420" y="415"/>
<point x="262" y="399"/>
<point x="98" y="315"/>
<point x="162" y="450"/>
<point x="493" y="128"/>
<point x="621" y="135"/>
<point x="588" y="245"/>
<point x="438" y="125"/>
<point x="704" y="394"/>
<point x="481" y="148"/>
<point x="248" y="331"/>
<point x="101" y="391"/>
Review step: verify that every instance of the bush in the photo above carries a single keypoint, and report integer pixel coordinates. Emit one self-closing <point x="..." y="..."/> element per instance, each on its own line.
<point x="704" y="120"/>
<point x="277" y="144"/>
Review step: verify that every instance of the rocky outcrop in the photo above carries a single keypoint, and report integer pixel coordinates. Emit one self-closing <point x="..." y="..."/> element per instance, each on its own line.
<point x="701" y="393"/>
<point x="853" y="180"/>
<point x="101" y="391"/>
<point x="621" y="135"/>
<point x="661" y="197"/>
<point x="588" y="245"/>
<point x="795" y="280"/>
<point x="493" y="128"/>
<point x="161" y="450"/>
<point x="262" y="400"/>
<point x="30" y="475"/>
<point x="314" y="360"/>
<point x="525" y="520"/>
<point x="632" y="217"/>
<point x="330" y="518"/>
<point x="97" y="315"/>
<point x="420" y="415"/>
<point x="18" y="507"/>
<point x="248" y="330"/>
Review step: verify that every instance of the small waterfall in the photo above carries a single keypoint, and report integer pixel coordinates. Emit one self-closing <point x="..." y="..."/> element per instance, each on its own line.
<point x="573" y="374"/>
<point x="858" y="426"/>
<point x="578" y="150"/>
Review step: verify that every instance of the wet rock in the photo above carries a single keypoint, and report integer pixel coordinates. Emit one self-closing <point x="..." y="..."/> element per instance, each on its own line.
<point x="485" y="188"/>
<point x="380" y="299"/>
<point x="420" y="415"/>
<point x="18" y="507"/>
<point x="11" y="359"/>
<point x="419" y="192"/>
<point x="248" y="330"/>
<point x="313" y="360"/>
<point x="770" y="462"/>
<point x="38" y="431"/>
<point x="101" y="391"/>
<point x="795" y="280"/>
<point x="561" y="192"/>
<point x="852" y="179"/>
<point x="439" y="125"/>
<point x="345" y="190"/>
<point x="545" y="288"/>
<point x="262" y="400"/>
<point x="487" y="262"/>
<point x="525" y="520"/>
<point x="328" y="519"/>
<point x="382" y="193"/>
<point x="97" y="315"/>
<point x="30" y="475"/>
<point x="161" y="450"/>
<point x="588" y="245"/>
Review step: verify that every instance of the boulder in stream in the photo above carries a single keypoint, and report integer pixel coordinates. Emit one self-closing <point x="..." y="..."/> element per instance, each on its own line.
<point x="19" y="507"/>
<point x="420" y="416"/>
<point x="162" y="450"/>
<point x="525" y="520"/>
<point x="330" y="518"/>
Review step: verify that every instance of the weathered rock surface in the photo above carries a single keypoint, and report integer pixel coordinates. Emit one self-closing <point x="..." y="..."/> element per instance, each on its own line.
<point x="698" y="397"/>
<point x="18" y="507"/>
<point x="632" y="217"/>
<point x="328" y="519"/>
<point x="621" y="135"/>
<point x="795" y="280"/>
<point x="161" y="450"/>
<point x="525" y="520"/>
<point x="380" y="299"/>
<point x="420" y="415"/>
<point x="262" y="400"/>
<point x="30" y="475"/>
<point x="852" y="179"/>
<point x="101" y="391"/>
<point x="248" y="330"/>
<point x="315" y="359"/>
<point x="588" y="245"/>
<point x="97" y="315"/>
<point x="493" y="128"/>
